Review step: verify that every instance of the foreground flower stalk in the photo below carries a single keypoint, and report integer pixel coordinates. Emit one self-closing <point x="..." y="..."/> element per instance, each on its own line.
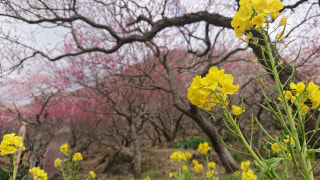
<point x="300" y="146"/>
<point x="296" y="103"/>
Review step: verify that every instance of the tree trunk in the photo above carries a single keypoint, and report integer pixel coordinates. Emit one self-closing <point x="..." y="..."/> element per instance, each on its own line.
<point x="36" y="147"/>
<point x="170" y="142"/>
<point x="224" y="154"/>
<point x="136" y="152"/>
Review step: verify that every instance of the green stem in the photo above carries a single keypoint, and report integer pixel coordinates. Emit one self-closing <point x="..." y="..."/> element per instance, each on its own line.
<point x="305" y="162"/>
<point x="248" y="146"/>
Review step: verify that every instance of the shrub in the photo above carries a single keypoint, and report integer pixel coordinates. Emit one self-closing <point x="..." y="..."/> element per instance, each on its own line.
<point x="191" y="143"/>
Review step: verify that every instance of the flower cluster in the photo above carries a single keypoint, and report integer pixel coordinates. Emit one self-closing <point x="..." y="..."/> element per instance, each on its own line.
<point x="282" y="147"/>
<point x="304" y="97"/>
<point x="57" y="162"/>
<point x="38" y="174"/>
<point x="206" y="92"/>
<point x="69" y="165"/>
<point x="207" y="168"/>
<point x="92" y="174"/>
<point x="204" y="148"/>
<point x="237" y="110"/>
<point x="147" y="178"/>
<point x="77" y="157"/>
<point x="247" y="174"/>
<point x="180" y="156"/>
<point x="253" y="13"/>
<point x="197" y="166"/>
<point x="65" y="149"/>
<point x="9" y="144"/>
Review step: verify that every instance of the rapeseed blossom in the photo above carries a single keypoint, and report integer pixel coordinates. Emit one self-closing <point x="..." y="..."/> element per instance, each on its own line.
<point x="171" y="174"/>
<point x="77" y="157"/>
<point x="57" y="162"/>
<point x="209" y="174"/>
<point x="245" y="165"/>
<point x="309" y="96"/>
<point x="147" y="178"/>
<point x="178" y="156"/>
<point x="65" y="149"/>
<point x="247" y="174"/>
<point x="206" y="92"/>
<point x="289" y="138"/>
<point x="38" y="174"/>
<point x="9" y="144"/>
<point x="275" y="147"/>
<point x="92" y="174"/>
<point x="212" y="165"/>
<point x="254" y="13"/>
<point x="237" y="110"/>
<point x="184" y="167"/>
<point x="204" y="148"/>
<point x="198" y="167"/>
<point x="283" y="21"/>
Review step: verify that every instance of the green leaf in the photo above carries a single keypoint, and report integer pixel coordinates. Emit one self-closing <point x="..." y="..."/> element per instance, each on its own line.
<point x="275" y="161"/>
<point x="311" y="152"/>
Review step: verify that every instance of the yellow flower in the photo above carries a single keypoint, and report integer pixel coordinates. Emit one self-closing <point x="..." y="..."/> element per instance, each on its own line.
<point x="65" y="149"/>
<point x="279" y="37"/>
<point x="275" y="4"/>
<point x="245" y="165"/>
<point x="147" y="178"/>
<point x="237" y="110"/>
<point x="57" y="162"/>
<point x="38" y="174"/>
<point x="170" y="174"/>
<point x="275" y="14"/>
<point x="178" y="156"/>
<point x="209" y="174"/>
<point x="275" y="147"/>
<point x="248" y="175"/>
<point x="287" y="139"/>
<point x="198" y="167"/>
<point x="227" y="85"/>
<point x="288" y="95"/>
<point x="300" y="87"/>
<point x="237" y="173"/>
<point x="260" y="5"/>
<point x="184" y="167"/>
<point x="258" y="20"/>
<point x="244" y="13"/>
<point x="247" y="38"/>
<point x="312" y="87"/>
<point x="304" y="109"/>
<point x="9" y="144"/>
<point x="77" y="157"/>
<point x="194" y="162"/>
<point x="92" y="174"/>
<point x="204" y="148"/>
<point x="188" y="155"/>
<point x="212" y="165"/>
<point x="283" y="21"/>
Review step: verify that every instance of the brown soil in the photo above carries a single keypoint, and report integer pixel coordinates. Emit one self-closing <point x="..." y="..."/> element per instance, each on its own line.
<point x="155" y="161"/>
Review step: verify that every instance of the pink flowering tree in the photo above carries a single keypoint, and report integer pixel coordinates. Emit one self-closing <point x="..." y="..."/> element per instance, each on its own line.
<point x="114" y="29"/>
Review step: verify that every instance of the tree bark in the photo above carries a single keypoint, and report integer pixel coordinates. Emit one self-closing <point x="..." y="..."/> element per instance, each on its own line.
<point x="136" y="152"/>
<point x="224" y="154"/>
<point x="36" y="147"/>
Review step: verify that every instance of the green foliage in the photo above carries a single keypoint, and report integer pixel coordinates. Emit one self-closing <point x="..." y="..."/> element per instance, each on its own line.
<point x="21" y="174"/>
<point x="4" y="174"/>
<point x="191" y="143"/>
